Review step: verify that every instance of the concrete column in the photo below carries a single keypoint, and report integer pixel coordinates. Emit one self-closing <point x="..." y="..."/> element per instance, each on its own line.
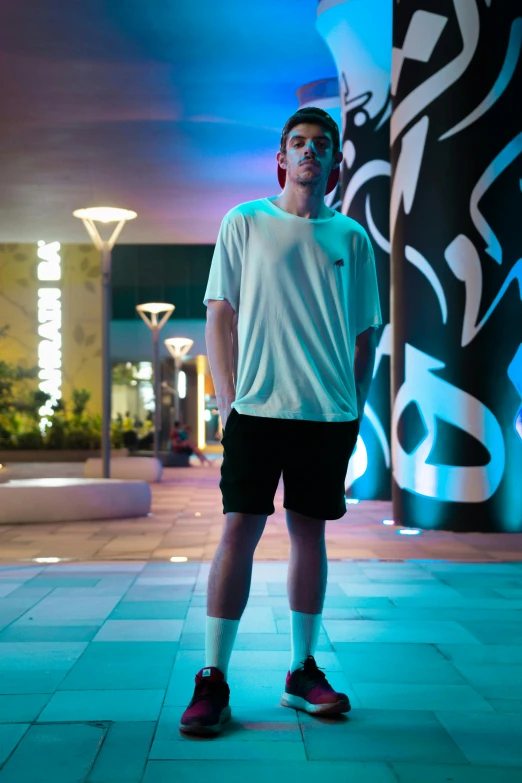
<point x="456" y="208"/>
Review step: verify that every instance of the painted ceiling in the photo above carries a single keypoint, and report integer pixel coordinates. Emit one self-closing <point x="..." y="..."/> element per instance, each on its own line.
<point x="172" y="108"/>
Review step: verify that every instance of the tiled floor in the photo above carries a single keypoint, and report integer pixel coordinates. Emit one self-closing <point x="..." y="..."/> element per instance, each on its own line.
<point x="187" y="521"/>
<point x="97" y="663"/>
<point x="98" y="654"/>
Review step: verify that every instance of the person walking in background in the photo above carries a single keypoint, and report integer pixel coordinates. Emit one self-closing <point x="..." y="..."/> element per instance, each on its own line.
<point x="301" y="279"/>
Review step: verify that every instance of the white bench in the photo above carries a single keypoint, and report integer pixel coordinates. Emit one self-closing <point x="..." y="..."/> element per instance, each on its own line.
<point x="125" y="468"/>
<point x="72" y="500"/>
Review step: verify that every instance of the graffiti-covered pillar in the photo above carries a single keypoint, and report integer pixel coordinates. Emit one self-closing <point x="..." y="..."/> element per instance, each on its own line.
<point x="359" y="35"/>
<point x="456" y="213"/>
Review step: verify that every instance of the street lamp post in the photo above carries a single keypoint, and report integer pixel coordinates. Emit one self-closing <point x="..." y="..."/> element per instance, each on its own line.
<point x="150" y="312"/>
<point x="177" y="347"/>
<point x="89" y="217"/>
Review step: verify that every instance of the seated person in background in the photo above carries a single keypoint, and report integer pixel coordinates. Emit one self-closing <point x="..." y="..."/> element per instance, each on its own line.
<point x="179" y="440"/>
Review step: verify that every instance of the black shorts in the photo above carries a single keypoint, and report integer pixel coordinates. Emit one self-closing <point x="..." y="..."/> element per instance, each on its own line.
<point x="313" y="457"/>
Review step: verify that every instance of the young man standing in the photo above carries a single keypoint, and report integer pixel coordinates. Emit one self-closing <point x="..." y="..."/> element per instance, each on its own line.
<point x="301" y="279"/>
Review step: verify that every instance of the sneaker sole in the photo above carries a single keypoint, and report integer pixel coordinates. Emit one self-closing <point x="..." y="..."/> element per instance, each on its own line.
<point x="207" y="731"/>
<point x="298" y="703"/>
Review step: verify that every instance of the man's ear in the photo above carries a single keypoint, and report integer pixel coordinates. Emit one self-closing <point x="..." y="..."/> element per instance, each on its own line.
<point x="281" y="159"/>
<point x="338" y="159"/>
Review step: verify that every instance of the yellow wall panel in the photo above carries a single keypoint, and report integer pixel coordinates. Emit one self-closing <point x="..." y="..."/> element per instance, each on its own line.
<point x="81" y="328"/>
<point x="81" y="314"/>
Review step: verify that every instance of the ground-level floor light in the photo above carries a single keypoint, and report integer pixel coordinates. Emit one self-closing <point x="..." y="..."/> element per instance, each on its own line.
<point x="90" y="217"/>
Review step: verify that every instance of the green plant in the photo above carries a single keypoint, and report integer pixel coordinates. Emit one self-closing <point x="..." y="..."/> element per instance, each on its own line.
<point x="124" y="374"/>
<point x="20" y="404"/>
<point x="80" y="398"/>
<point x="17" y="386"/>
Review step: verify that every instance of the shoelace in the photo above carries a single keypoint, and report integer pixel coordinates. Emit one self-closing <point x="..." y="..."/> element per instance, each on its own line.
<point x="313" y="673"/>
<point x="203" y="689"/>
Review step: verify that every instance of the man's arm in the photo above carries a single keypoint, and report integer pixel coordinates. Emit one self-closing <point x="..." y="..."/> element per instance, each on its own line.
<point x="365" y="347"/>
<point x="220" y="352"/>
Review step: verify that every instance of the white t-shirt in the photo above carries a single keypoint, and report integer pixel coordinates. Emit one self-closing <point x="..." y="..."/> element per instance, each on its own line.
<point x="303" y="289"/>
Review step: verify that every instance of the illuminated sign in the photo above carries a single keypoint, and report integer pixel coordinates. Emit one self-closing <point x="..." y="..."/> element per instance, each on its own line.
<point x="49" y="329"/>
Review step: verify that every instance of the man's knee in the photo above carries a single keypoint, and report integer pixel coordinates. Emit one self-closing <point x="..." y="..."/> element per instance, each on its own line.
<point x="305" y="528"/>
<point x="243" y="530"/>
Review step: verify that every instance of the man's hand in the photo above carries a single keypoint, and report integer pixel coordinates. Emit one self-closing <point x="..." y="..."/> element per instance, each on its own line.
<point x="224" y="406"/>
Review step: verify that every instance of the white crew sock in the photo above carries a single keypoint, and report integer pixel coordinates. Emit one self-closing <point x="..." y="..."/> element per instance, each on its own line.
<point x="305" y="633"/>
<point x="219" y="641"/>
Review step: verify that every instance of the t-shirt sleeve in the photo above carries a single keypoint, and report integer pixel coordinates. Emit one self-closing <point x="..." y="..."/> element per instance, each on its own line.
<point x="224" y="280"/>
<point x="368" y="307"/>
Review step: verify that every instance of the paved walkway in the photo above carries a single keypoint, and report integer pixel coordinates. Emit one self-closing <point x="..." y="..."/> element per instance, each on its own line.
<point x="187" y="521"/>
<point x="98" y="654"/>
<point x="97" y="662"/>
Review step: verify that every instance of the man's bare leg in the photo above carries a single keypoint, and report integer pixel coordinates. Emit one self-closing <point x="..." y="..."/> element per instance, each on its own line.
<point x="307" y="577"/>
<point x="229" y="586"/>
<point x="231" y="572"/>
<point x="308" y="566"/>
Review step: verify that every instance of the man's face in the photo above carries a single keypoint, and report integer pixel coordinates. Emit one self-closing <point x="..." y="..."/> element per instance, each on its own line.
<point x="309" y="156"/>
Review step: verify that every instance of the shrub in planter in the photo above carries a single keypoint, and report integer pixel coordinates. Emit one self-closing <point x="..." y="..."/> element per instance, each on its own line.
<point x="55" y="436"/>
<point x="30" y="440"/>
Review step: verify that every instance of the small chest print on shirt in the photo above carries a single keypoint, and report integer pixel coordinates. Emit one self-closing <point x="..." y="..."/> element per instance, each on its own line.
<point x="339" y="263"/>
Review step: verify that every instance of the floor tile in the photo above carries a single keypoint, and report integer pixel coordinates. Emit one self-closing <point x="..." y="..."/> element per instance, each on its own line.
<point x="262" y="771"/>
<point x="39" y="655"/>
<point x="63" y="581"/>
<point x="496" y="633"/>
<point x="408" y="696"/>
<point x="493" y="682"/>
<point x="8" y="587"/>
<point x="22" y="708"/>
<point x="397" y="631"/>
<point x="140" y="631"/>
<point x="78" y="608"/>
<point x="391" y="663"/>
<point x="122" y="666"/>
<point x="48" y="633"/>
<point x="379" y="735"/>
<point x="128" y="705"/>
<point x="124" y="753"/>
<point x="253" y="750"/>
<point x="492" y="654"/>
<point x="441" y="773"/>
<point x="458" y="614"/>
<point x="10" y="736"/>
<point x="387" y="590"/>
<point x="150" y="610"/>
<point x="489" y="739"/>
<point x="26" y="681"/>
<point x="148" y="593"/>
<point x="513" y="706"/>
<point x="54" y="754"/>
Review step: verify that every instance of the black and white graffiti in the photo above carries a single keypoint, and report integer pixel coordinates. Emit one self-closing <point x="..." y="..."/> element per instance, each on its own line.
<point x="456" y="244"/>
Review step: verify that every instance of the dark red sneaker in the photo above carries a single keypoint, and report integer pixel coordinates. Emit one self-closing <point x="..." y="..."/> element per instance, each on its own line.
<point x="208" y="709"/>
<point x="308" y="689"/>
